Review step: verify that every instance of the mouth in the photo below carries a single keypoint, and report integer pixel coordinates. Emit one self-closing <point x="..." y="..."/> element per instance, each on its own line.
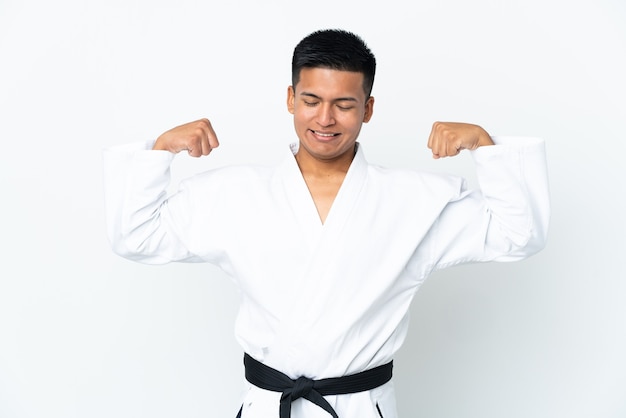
<point x="324" y="135"/>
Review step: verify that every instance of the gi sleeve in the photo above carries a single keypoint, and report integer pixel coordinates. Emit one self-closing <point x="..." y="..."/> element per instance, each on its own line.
<point x="135" y="190"/>
<point x="507" y="218"/>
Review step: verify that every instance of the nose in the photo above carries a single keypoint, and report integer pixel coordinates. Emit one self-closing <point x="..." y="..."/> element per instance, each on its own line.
<point x="325" y="115"/>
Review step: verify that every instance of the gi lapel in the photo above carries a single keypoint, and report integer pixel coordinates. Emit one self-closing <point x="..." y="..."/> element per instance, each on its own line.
<point x="299" y="199"/>
<point x="303" y="206"/>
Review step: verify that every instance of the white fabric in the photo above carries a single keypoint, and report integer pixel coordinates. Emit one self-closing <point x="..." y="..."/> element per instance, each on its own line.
<point x="325" y="300"/>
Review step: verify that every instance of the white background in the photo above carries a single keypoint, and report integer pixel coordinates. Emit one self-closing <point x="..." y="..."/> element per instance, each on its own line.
<point x="84" y="333"/>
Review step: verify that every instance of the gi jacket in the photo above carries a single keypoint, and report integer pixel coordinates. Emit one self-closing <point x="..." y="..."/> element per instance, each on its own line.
<point x="326" y="300"/>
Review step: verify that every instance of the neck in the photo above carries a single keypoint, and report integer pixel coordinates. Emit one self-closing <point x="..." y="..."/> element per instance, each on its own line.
<point x="321" y="168"/>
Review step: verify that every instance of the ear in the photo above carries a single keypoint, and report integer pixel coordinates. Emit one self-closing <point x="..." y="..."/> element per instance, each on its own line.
<point x="291" y="99"/>
<point x="369" y="109"/>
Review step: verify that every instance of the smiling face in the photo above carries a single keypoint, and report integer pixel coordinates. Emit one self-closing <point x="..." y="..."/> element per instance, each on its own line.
<point x="329" y="107"/>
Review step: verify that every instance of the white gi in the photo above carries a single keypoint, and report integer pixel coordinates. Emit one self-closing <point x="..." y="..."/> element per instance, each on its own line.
<point x="326" y="300"/>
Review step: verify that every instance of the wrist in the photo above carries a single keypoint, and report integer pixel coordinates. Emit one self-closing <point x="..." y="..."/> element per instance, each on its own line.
<point x="158" y="145"/>
<point x="484" y="139"/>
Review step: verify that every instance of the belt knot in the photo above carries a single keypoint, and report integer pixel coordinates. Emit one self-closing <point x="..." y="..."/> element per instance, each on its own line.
<point x="301" y="388"/>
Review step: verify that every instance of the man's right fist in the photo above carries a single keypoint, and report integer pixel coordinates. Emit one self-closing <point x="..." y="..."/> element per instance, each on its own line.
<point x="197" y="138"/>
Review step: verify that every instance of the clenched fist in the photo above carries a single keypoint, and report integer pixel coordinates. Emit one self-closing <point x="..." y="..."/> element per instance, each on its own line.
<point x="197" y="138"/>
<point x="449" y="138"/>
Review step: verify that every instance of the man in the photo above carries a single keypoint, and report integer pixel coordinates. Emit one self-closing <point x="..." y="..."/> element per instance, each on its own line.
<point x="327" y="250"/>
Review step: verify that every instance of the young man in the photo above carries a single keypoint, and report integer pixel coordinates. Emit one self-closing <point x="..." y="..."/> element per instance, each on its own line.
<point x="327" y="250"/>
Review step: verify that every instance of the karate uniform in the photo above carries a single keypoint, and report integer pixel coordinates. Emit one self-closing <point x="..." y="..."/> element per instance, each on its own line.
<point x="327" y="300"/>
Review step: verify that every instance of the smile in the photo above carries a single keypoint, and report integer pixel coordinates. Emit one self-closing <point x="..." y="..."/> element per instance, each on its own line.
<point x="324" y="134"/>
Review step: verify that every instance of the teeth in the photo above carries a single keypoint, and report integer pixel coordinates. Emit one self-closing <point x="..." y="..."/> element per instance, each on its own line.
<point x="323" y="134"/>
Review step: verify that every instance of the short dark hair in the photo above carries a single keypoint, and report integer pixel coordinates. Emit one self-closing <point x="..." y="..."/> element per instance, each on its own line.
<point x="335" y="49"/>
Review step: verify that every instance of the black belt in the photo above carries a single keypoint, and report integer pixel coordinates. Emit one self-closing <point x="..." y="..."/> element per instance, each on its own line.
<point x="314" y="391"/>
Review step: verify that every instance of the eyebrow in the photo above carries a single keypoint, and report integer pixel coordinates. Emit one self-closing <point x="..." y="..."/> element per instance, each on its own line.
<point x="339" y="99"/>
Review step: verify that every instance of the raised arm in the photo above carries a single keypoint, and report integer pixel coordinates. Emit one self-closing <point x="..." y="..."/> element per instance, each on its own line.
<point x="136" y="178"/>
<point x="507" y="218"/>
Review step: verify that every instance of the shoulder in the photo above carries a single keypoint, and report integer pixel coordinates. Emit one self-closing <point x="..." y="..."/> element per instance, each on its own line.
<point x="416" y="180"/>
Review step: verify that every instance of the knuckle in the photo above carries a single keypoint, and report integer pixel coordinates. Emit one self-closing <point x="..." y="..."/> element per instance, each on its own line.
<point x="198" y="133"/>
